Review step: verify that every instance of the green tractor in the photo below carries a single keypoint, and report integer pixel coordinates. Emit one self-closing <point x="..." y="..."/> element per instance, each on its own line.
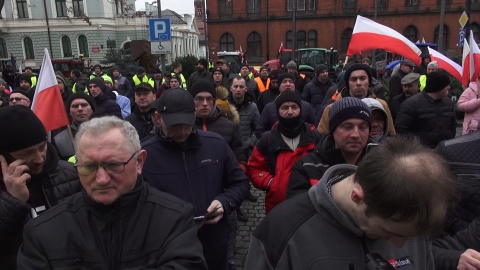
<point x="309" y="58"/>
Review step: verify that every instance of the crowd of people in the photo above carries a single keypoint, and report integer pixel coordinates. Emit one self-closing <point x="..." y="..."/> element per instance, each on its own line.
<point x="152" y="170"/>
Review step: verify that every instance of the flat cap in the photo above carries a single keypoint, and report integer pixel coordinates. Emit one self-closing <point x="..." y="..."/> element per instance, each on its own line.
<point x="407" y="62"/>
<point x="410" y="78"/>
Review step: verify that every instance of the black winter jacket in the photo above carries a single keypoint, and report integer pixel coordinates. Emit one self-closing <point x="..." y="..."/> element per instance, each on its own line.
<point x="395" y="105"/>
<point x="431" y="120"/>
<point x="141" y="121"/>
<point x="269" y="117"/>
<point x="144" y="228"/>
<point x="249" y="117"/>
<point x="106" y="105"/>
<point x="58" y="180"/>
<point x="266" y="97"/>
<point x="307" y="171"/>
<point x="315" y="92"/>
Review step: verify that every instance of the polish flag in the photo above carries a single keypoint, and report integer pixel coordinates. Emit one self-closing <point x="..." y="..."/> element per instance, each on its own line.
<point x="369" y="35"/>
<point x="446" y="63"/>
<point x="47" y="103"/>
<point x="465" y="63"/>
<point x="474" y="58"/>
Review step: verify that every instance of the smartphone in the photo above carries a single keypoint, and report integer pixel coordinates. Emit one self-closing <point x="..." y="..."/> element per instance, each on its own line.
<point x="207" y="216"/>
<point x="370" y="146"/>
<point x="9" y="158"/>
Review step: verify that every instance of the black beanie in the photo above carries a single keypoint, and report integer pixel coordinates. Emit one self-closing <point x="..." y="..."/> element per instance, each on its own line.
<point x="79" y="95"/>
<point x="288" y="96"/>
<point x="99" y="82"/>
<point x="357" y="66"/>
<point x="20" y="129"/>
<point x="285" y="75"/>
<point x="347" y="108"/>
<point x="274" y="74"/>
<point x="203" y="62"/>
<point x="201" y="86"/>
<point x="436" y="81"/>
<point x="25" y="77"/>
<point x="21" y="91"/>
<point x="320" y="68"/>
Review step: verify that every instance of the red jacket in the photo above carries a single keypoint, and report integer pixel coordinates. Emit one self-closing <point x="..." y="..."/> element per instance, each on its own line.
<point x="272" y="160"/>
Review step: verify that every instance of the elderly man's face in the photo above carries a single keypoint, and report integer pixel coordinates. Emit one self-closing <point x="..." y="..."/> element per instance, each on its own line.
<point x="287" y="84"/>
<point x="289" y="110"/>
<point x="18" y="99"/>
<point x="358" y="83"/>
<point x="204" y="102"/>
<point x="110" y="147"/>
<point x="378" y="124"/>
<point x="411" y="89"/>
<point x="33" y="156"/>
<point x="80" y="110"/>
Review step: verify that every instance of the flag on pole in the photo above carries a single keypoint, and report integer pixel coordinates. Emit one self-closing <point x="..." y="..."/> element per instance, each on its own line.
<point x="47" y="103"/>
<point x="446" y="63"/>
<point x="20" y="69"/>
<point x="369" y="35"/>
<point x="474" y="58"/>
<point x="465" y="63"/>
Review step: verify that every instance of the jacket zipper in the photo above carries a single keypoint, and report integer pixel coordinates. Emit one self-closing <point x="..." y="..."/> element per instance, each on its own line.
<point x="190" y="184"/>
<point x="112" y="249"/>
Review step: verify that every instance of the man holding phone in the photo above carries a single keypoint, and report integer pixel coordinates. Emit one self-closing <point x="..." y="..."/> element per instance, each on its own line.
<point x="32" y="178"/>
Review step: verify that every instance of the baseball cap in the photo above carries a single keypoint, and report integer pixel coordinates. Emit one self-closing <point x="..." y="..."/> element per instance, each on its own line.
<point x="143" y="86"/>
<point x="176" y="106"/>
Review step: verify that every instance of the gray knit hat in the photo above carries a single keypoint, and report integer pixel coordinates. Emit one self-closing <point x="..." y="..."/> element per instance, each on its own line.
<point x="347" y="108"/>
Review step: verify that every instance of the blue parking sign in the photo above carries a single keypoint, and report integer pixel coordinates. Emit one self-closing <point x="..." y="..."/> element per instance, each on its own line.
<point x="160" y="29"/>
<point x="461" y="37"/>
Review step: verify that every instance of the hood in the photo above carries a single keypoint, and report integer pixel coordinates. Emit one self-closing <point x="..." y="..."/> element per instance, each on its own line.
<point x="322" y="200"/>
<point x="374" y="104"/>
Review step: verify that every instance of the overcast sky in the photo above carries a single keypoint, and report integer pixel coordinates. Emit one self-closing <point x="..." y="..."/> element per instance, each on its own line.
<point x="179" y="6"/>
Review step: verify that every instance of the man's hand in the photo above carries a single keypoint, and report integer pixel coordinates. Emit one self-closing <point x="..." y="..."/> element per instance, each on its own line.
<point x="469" y="260"/>
<point x="15" y="177"/>
<point x="218" y="213"/>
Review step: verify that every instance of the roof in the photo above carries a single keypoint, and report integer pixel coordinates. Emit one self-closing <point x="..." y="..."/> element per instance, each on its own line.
<point x="174" y="17"/>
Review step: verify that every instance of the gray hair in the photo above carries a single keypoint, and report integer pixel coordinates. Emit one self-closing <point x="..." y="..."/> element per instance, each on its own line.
<point x="97" y="126"/>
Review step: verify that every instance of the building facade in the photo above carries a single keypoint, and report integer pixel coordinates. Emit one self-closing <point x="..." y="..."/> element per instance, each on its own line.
<point x="260" y="26"/>
<point x="69" y="28"/>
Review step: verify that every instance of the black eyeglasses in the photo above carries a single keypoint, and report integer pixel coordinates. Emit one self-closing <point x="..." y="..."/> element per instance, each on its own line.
<point x="16" y="99"/>
<point x="111" y="168"/>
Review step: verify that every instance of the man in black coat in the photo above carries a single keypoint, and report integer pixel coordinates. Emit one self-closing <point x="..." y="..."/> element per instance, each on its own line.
<point x="32" y="179"/>
<point x="141" y="117"/>
<point x="314" y="92"/>
<point x="104" y="99"/>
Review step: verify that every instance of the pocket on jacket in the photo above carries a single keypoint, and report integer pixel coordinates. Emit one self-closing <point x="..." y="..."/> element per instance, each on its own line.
<point x="472" y="125"/>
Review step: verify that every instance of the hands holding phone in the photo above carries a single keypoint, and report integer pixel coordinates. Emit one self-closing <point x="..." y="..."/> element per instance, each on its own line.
<point x="214" y="214"/>
<point x="15" y="177"/>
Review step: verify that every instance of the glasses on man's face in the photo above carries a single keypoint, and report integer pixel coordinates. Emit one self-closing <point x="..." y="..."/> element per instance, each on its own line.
<point x="16" y="99"/>
<point x="202" y="99"/>
<point x="111" y="168"/>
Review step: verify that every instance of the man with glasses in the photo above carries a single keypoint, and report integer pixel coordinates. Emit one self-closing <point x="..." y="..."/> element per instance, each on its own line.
<point x="32" y="178"/>
<point x="19" y="97"/>
<point x="105" y="101"/>
<point x="118" y="221"/>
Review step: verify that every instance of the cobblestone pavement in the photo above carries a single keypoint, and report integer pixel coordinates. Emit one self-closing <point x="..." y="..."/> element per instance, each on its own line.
<point x="256" y="212"/>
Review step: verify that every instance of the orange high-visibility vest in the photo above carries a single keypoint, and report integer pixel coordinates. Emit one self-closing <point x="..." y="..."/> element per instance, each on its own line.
<point x="261" y="86"/>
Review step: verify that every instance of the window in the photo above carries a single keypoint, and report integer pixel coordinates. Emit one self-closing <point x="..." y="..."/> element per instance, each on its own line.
<point x="199" y="12"/>
<point x="66" y="47"/>
<point x="225" y="8"/>
<point x="289" y="39"/>
<point x="253" y="6"/>
<point x="300" y="5"/>
<point x="28" y="48"/>
<point x="3" y="48"/>
<point x="61" y="6"/>
<point x="254" y="47"/>
<point x="78" y="8"/>
<point x="476" y="31"/>
<point x="311" y="4"/>
<point x="346" y="37"/>
<point x="120" y="6"/>
<point x="83" y="45"/>
<point x="349" y="4"/>
<point x="411" y="33"/>
<point x="312" y="39"/>
<point x="301" y="39"/>
<point x="410" y="3"/>
<point x="22" y="9"/>
<point x="445" y="36"/>
<point x="227" y="43"/>
<point x="382" y="4"/>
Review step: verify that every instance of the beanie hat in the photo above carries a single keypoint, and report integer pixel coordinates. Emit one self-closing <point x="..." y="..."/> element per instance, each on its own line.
<point x="115" y="68"/>
<point x="357" y="66"/>
<point x="433" y="64"/>
<point x="218" y="70"/>
<point x="61" y="79"/>
<point x="320" y="68"/>
<point x="97" y="65"/>
<point x="2" y="81"/>
<point x="25" y="77"/>
<point x="99" y="82"/>
<point x="22" y="91"/>
<point x="285" y="75"/>
<point x="274" y="74"/>
<point x="141" y="70"/>
<point x="292" y="64"/>
<point x="436" y="82"/>
<point x="20" y="128"/>
<point x="347" y="108"/>
<point x="203" y="61"/>
<point x="203" y="85"/>
<point x="79" y="95"/>
<point x="107" y="79"/>
<point x="288" y="96"/>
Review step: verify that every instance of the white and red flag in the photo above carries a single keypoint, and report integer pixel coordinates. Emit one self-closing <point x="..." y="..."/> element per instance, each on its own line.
<point x="474" y="58"/>
<point x="369" y="35"/>
<point x="465" y="63"/>
<point x="47" y="103"/>
<point x="446" y="63"/>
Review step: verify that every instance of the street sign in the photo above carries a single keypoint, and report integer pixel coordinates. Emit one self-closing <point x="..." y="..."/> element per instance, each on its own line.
<point x="160" y="29"/>
<point x="461" y="37"/>
<point x="164" y="47"/>
<point x="463" y="19"/>
<point x="95" y="48"/>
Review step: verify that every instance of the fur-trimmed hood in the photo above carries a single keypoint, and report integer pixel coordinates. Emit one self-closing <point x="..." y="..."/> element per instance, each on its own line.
<point x="226" y="109"/>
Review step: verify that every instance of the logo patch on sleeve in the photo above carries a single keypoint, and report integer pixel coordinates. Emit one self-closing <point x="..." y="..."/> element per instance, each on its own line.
<point x="400" y="263"/>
